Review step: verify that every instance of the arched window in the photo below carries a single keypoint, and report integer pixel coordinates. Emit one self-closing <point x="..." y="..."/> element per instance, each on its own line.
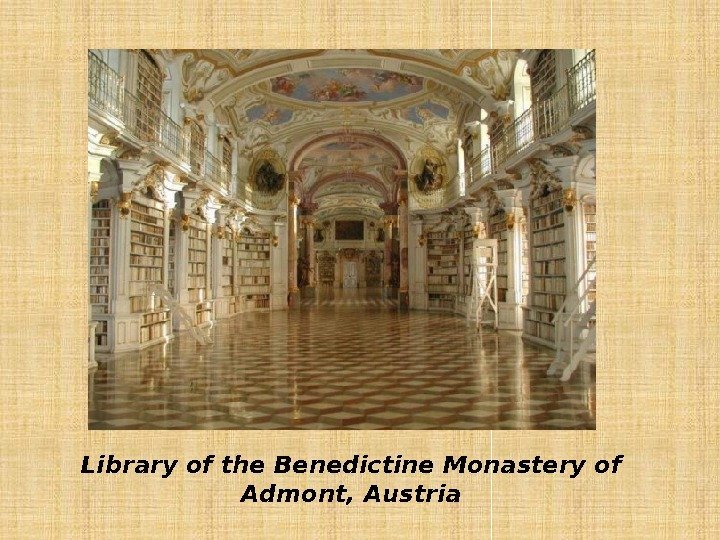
<point x="150" y="96"/>
<point x="522" y="95"/>
<point x="543" y="76"/>
<point x="197" y="146"/>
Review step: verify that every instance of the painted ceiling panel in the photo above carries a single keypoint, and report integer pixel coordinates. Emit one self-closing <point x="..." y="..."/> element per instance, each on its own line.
<point x="347" y="85"/>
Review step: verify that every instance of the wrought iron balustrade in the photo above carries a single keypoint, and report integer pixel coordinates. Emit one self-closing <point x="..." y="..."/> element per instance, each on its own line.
<point x="581" y="83"/>
<point x="105" y="87"/>
<point x="173" y="138"/>
<point x="548" y="117"/>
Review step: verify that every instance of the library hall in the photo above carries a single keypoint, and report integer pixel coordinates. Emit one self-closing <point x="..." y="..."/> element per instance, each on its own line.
<point x="350" y="239"/>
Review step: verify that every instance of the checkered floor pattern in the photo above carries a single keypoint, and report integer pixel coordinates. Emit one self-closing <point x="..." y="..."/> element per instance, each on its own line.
<point x="340" y="363"/>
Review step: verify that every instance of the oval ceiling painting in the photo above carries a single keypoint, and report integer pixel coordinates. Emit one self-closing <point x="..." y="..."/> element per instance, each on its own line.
<point x="347" y="85"/>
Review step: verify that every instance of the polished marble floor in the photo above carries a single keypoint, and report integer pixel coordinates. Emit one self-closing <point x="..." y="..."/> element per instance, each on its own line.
<point x="343" y="361"/>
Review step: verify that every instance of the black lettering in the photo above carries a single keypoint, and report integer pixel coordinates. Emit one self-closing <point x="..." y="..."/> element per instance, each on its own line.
<point x="249" y="494"/>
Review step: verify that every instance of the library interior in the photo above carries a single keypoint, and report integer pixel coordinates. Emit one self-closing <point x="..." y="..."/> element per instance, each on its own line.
<point x="341" y="239"/>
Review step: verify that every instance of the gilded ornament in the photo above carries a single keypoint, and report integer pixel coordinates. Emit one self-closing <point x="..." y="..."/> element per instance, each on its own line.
<point x="124" y="204"/>
<point x="510" y="221"/>
<point x="569" y="199"/>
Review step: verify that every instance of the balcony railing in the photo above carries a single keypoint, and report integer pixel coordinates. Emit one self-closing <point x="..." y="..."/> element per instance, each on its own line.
<point x="105" y="87"/>
<point x="581" y="82"/>
<point x="215" y="170"/>
<point x="544" y="119"/>
<point x="106" y="92"/>
<point x="173" y="138"/>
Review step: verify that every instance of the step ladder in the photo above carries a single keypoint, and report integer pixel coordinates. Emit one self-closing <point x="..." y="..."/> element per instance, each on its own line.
<point x="179" y="313"/>
<point x="575" y="332"/>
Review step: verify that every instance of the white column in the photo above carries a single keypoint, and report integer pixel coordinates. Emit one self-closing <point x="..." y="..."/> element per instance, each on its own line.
<point x="461" y="168"/>
<point x="404" y="296"/>
<point x="234" y="188"/>
<point x="212" y="133"/>
<point x="218" y="236"/>
<point x="417" y="260"/>
<point x="279" y="265"/>
<point x="510" y="311"/>
<point x="292" y="244"/>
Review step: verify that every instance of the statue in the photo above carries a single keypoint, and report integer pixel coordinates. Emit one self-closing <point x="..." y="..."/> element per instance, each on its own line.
<point x="430" y="178"/>
<point x="303" y="270"/>
<point x="267" y="179"/>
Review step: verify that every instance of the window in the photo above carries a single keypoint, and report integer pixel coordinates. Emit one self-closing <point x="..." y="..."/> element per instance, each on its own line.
<point x="542" y="77"/>
<point x="149" y="95"/>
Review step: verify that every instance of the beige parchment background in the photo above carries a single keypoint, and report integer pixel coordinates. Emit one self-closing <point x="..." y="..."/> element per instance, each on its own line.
<point x="659" y="307"/>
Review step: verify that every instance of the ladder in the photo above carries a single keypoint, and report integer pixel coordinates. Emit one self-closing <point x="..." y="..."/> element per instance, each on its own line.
<point x="179" y="313"/>
<point x="575" y="333"/>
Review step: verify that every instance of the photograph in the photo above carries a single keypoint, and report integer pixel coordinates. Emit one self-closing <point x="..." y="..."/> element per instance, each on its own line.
<point x="341" y="239"/>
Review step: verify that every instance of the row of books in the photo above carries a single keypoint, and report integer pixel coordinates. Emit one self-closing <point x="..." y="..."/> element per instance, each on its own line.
<point x="145" y="274"/>
<point x="250" y="289"/>
<point x="197" y="257"/>
<point x="550" y="220"/>
<point x="100" y="261"/>
<point x="100" y="241"/>
<point x="139" y="249"/>
<point x="158" y="316"/>
<point x="254" y="280"/>
<point x="442" y="280"/>
<point x="146" y="228"/>
<point x="554" y="285"/>
<point x="548" y="301"/>
<point x="543" y="331"/>
<point x="253" y="271"/>
<point x="147" y="239"/>
<point x="141" y="260"/>
<point x="99" y="299"/>
<point x="196" y="282"/>
<point x="546" y="253"/>
<point x="155" y="331"/>
<point x="253" y="247"/>
<point x="100" y="223"/>
<point x="552" y="197"/>
<point x="197" y="244"/>
<point x="554" y="267"/>
<point x="549" y="236"/>
<point x="256" y="255"/>
<point x="146" y="211"/>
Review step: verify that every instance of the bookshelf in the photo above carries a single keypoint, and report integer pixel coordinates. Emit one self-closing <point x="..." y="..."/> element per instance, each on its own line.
<point x="155" y="325"/>
<point x="525" y="261"/>
<point x="590" y="242"/>
<point x="100" y="269"/>
<point x="442" y="273"/>
<point x="227" y="274"/>
<point x="253" y="276"/>
<point x="468" y="238"/>
<point x="171" y="258"/>
<point x="197" y="270"/>
<point x="326" y="269"/>
<point x="197" y="260"/>
<point x="146" y="267"/>
<point x="547" y="286"/>
<point x="499" y="232"/>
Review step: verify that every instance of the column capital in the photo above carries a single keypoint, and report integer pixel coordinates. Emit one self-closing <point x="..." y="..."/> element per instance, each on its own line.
<point x="389" y="221"/>
<point x="390" y="208"/>
<point x="309" y="207"/>
<point x="308" y="221"/>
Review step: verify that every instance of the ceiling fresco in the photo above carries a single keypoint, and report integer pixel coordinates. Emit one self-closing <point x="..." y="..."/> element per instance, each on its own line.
<point x="346" y="85"/>
<point x="270" y="114"/>
<point x="425" y="112"/>
<point x="348" y="154"/>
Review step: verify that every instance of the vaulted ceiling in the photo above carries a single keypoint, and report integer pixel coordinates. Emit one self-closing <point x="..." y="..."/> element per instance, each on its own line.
<point x="344" y="119"/>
